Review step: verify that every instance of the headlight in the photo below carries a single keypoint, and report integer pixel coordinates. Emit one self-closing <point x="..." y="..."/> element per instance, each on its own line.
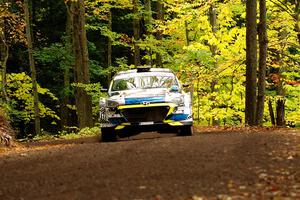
<point x="178" y="100"/>
<point x="112" y="104"/>
<point x="102" y="102"/>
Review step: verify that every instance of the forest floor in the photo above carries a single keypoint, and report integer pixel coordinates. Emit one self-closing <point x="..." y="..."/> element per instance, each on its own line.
<point x="214" y="163"/>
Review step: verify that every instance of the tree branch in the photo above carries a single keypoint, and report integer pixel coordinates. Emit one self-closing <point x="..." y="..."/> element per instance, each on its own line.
<point x="284" y="8"/>
<point x="283" y="54"/>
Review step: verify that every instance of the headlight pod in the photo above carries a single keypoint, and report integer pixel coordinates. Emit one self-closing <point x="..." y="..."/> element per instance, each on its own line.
<point x="178" y="100"/>
<point x="102" y="102"/>
<point x="112" y="104"/>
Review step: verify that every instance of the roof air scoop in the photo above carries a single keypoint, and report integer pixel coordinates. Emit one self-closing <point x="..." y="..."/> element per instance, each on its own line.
<point x="143" y="69"/>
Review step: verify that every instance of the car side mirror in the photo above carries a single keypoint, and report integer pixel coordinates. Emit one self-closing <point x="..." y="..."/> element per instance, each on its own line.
<point x="186" y="85"/>
<point x="174" y="88"/>
<point x="104" y="90"/>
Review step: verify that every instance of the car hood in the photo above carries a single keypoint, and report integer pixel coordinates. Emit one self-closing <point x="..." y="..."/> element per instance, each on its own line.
<point x="141" y="96"/>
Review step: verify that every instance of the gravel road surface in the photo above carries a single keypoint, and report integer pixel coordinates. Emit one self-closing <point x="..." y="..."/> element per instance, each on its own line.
<point x="157" y="167"/>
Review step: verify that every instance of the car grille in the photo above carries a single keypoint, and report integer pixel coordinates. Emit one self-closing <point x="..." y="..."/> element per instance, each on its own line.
<point x="146" y="114"/>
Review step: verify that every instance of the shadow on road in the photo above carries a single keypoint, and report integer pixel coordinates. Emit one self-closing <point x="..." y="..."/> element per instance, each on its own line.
<point x="147" y="136"/>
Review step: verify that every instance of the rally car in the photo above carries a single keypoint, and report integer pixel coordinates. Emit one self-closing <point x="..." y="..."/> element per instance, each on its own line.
<point x="145" y="99"/>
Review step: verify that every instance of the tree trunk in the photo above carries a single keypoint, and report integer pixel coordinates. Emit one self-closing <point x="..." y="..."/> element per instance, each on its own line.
<point x="280" y="105"/>
<point x="187" y="37"/>
<point x="213" y="24"/>
<point x="4" y="53"/>
<point x="3" y="73"/>
<point x="213" y="49"/>
<point x="280" y="114"/>
<point x="215" y="122"/>
<point x="148" y="23"/>
<point x="65" y="111"/>
<point x="198" y="99"/>
<point x="271" y="112"/>
<point x="159" y="36"/>
<point x="136" y="33"/>
<point x="109" y="46"/>
<point x="280" y="102"/>
<point x="32" y="68"/>
<point x="251" y="62"/>
<point x="263" y="44"/>
<point x="148" y="16"/>
<point x="81" y="67"/>
<point x="297" y="19"/>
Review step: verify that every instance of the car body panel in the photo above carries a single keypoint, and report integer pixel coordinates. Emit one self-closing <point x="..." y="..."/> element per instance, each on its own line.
<point x="133" y="104"/>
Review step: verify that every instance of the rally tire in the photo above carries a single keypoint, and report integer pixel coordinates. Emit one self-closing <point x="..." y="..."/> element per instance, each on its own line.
<point x="186" y="130"/>
<point x="108" y="135"/>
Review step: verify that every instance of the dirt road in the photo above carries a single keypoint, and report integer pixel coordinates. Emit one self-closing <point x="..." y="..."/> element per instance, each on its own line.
<point x="150" y="166"/>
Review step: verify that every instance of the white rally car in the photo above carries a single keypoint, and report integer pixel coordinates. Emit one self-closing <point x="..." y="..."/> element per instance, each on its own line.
<point x="145" y="99"/>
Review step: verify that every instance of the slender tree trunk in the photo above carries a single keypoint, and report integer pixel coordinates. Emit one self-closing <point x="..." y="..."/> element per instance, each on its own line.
<point x="198" y="99"/>
<point x="186" y="29"/>
<point x="148" y="16"/>
<point x="187" y="33"/>
<point x="4" y="53"/>
<point x="232" y="84"/>
<point x="280" y="103"/>
<point x="213" y="24"/>
<point x="3" y="74"/>
<point x="215" y="122"/>
<point x="263" y="44"/>
<point x="81" y="68"/>
<point x="297" y="19"/>
<point x="251" y="62"/>
<point x="31" y="19"/>
<point x="280" y="114"/>
<point x="148" y="22"/>
<point x="65" y="112"/>
<point x="109" y="45"/>
<point x="136" y="33"/>
<point x="32" y="68"/>
<point x="213" y="49"/>
<point x="271" y="112"/>
<point x="191" y="87"/>
<point x="159" y="36"/>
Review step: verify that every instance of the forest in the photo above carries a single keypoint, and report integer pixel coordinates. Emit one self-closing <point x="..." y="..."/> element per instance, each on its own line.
<point x="240" y="58"/>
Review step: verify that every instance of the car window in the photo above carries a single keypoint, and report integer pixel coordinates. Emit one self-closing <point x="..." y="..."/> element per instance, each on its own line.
<point x="143" y="82"/>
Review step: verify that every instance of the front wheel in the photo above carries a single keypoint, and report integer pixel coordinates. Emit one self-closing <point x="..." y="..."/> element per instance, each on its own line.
<point x="186" y="130"/>
<point x="108" y="135"/>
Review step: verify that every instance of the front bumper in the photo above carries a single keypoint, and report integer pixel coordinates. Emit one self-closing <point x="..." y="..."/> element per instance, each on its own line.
<point x="150" y="116"/>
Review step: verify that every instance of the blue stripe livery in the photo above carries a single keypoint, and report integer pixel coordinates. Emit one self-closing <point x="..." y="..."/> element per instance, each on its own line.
<point x="131" y="101"/>
<point x="179" y="117"/>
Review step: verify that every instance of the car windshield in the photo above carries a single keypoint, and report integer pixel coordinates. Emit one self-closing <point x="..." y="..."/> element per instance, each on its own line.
<point x="144" y="81"/>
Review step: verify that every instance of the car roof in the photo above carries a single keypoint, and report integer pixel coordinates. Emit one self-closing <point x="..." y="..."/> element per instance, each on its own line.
<point x="145" y="69"/>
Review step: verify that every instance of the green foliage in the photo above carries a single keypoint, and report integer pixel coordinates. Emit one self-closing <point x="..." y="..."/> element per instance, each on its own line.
<point x="216" y="75"/>
<point x="86" y="132"/>
<point x="20" y="107"/>
<point x="53" y="61"/>
<point x="293" y="103"/>
<point x="89" y="131"/>
<point x="210" y="59"/>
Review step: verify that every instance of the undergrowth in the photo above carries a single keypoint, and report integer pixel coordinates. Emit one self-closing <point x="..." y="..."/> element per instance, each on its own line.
<point x="73" y="134"/>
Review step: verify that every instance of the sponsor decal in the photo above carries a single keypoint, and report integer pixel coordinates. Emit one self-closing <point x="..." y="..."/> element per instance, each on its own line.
<point x="144" y="100"/>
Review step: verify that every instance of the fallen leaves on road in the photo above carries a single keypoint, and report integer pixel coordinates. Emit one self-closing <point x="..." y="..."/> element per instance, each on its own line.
<point x="243" y="129"/>
<point x="277" y="178"/>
